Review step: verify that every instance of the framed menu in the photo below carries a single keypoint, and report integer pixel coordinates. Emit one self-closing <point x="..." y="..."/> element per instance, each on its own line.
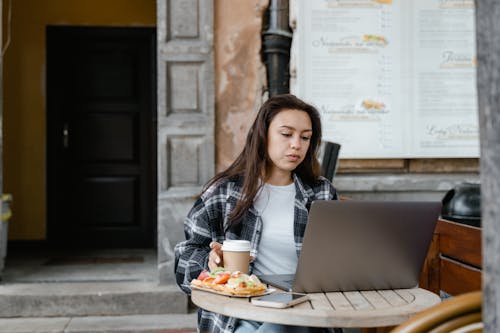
<point x="391" y="78"/>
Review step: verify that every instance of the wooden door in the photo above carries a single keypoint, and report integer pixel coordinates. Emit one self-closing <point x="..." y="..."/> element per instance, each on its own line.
<point x="101" y="137"/>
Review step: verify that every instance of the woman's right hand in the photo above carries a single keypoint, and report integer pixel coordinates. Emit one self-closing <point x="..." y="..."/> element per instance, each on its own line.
<point x="215" y="256"/>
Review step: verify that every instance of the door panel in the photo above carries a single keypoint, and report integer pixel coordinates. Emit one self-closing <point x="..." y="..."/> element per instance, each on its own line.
<point x="101" y="140"/>
<point x="110" y="201"/>
<point x="105" y="145"/>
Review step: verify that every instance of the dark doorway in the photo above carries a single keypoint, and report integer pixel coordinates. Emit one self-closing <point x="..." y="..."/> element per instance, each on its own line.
<point x="101" y="137"/>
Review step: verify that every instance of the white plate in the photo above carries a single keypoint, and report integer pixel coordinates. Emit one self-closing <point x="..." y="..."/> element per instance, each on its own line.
<point x="265" y="292"/>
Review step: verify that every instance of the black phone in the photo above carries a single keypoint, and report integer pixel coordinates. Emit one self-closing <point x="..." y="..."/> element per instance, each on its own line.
<point x="280" y="299"/>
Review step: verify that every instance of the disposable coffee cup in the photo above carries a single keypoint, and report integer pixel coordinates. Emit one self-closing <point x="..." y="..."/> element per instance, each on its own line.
<point x="236" y="255"/>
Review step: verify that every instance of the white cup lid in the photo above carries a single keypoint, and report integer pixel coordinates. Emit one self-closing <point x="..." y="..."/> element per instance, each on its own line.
<point x="236" y="245"/>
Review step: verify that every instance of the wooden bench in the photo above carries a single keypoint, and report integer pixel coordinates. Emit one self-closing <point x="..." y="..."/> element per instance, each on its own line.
<point x="454" y="260"/>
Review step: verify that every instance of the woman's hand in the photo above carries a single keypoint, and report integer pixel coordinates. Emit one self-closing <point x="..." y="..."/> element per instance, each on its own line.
<point x="215" y="256"/>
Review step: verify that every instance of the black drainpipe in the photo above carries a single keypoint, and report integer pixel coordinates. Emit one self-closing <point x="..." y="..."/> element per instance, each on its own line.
<point x="277" y="40"/>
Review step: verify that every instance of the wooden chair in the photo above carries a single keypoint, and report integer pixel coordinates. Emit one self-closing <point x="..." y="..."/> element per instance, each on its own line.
<point x="454" y="260"/>
<point x="459" y="313"/>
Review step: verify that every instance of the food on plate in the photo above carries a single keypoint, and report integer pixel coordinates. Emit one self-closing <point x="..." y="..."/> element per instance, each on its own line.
<point x="232" y="283"/>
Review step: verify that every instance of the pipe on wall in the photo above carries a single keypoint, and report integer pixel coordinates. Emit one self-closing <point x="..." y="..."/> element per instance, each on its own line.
<point x="277" y="40"/>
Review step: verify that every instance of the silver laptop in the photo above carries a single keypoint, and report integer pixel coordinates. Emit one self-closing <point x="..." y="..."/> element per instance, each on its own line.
<point x="362" y="245"/>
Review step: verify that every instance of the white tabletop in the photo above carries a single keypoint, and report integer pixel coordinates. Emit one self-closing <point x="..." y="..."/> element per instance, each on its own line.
<point x="375" y="308"/>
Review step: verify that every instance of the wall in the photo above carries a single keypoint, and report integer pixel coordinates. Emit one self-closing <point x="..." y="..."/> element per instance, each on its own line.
<point x="239" y="91"/>
<point x="240" y="76"/>
<point x="186" y="117"/>
<point x="24" y="94"/>
<point x="219" y="41"/>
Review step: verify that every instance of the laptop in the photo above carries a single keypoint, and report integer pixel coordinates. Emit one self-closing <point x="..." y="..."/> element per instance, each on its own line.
<point x="362" y="245"/>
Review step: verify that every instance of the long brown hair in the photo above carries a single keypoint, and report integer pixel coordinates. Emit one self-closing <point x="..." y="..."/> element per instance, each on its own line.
<point x="254" y="158"/>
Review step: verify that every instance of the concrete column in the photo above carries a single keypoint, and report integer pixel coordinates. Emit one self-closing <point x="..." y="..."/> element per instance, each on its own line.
<point x="186" y="156"/>
<point x="488" y="84"/>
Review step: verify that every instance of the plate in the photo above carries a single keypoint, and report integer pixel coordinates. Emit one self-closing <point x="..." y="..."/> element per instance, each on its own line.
<point x="265" y="292"/>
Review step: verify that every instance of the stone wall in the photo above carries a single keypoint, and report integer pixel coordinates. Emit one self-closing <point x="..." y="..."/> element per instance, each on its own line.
<point x="201" y="128"/>
<point x="185" y="117"/>
<point x="240" y="76"/>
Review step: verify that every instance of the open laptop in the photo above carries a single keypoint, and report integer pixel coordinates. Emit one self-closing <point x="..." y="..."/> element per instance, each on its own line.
<point x="362" y="245"/>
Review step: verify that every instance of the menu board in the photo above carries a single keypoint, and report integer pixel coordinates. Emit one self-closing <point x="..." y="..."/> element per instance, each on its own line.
<point x="391" y="78"/>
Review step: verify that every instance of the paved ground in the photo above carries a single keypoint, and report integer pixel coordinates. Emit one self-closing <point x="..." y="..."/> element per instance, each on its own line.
<point x="125" y="324"/>
<point x="30" y="267"/>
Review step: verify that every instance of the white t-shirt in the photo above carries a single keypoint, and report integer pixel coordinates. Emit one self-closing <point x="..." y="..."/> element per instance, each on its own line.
<point x="277" y="254"/>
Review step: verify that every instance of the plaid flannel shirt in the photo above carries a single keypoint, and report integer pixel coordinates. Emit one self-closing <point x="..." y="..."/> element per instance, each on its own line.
<point x="208" y="221"/>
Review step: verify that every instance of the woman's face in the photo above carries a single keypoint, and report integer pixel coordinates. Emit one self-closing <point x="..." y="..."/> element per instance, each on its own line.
<point x="288" y="139"/>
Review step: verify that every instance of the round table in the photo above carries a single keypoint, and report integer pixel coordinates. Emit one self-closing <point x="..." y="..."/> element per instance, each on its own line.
<point x="374" y="308"/>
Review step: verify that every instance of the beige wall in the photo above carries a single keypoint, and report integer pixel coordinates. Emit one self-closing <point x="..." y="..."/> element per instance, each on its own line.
<point x="24" y="94"/>
<point x="240" y="75"/>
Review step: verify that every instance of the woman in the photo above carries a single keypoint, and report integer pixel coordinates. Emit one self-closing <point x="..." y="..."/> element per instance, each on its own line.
<point x="263" y="197"/>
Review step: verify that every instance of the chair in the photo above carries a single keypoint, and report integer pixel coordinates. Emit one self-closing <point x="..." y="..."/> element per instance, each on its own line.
<point x="329" y="154"/>
<point x="460" y="313"/>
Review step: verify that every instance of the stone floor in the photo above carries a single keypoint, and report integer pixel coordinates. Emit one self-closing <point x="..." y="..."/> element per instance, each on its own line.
<point x="101" y="324"/>
<point x="40" y="265"/>
<point x="34" y="267"/>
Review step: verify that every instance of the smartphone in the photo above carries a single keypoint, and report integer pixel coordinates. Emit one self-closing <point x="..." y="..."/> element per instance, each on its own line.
<point x="280" y="300"/>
